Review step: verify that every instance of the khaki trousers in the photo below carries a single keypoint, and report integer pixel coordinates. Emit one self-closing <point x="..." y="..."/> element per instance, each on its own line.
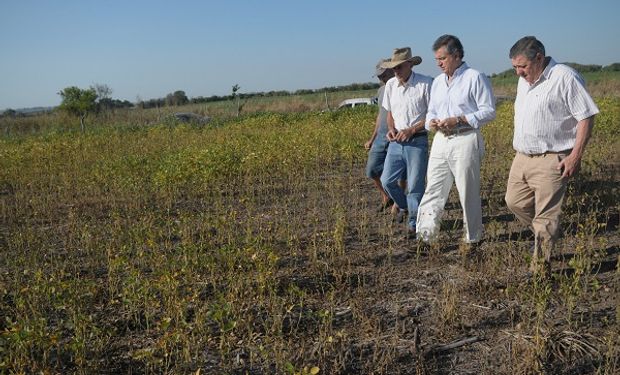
<point x="534" y="194"/>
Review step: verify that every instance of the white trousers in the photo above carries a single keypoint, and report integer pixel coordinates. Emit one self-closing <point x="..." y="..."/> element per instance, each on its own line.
<point x="456" y="159"/>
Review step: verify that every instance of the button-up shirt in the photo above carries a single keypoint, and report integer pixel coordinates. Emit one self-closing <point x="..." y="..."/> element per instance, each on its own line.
<point x="408" y="102"/>
<point x="547" y="111"/>
<point x="469" y="94"/>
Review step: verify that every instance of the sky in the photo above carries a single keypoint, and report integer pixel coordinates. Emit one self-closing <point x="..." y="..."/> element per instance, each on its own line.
<point x="147" y="49"/>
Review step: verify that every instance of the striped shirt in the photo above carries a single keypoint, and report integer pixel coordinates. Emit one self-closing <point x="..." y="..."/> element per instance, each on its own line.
<point x="547" y="112"/>
<point x="469" y="94"/>
<point x="409" y="102"/>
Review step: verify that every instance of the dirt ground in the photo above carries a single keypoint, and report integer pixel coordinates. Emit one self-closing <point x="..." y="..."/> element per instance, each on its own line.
<point x="403" y="308"/>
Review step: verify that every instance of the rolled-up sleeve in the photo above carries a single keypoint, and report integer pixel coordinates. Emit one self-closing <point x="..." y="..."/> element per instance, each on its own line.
<point x="432" y="111"/>
<point x="485" y="103"/>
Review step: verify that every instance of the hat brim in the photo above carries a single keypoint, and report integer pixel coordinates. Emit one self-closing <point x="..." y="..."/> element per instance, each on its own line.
<point x="380" y="71"/>
<point x="415" y="60"/>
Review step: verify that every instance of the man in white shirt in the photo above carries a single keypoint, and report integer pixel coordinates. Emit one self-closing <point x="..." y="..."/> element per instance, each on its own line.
<point x="554" y="116"/>
<point x="406" y="100"/>
<point x="461" y="103"/>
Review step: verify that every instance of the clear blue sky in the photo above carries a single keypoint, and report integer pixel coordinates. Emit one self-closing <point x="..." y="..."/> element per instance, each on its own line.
<point x="148" y="49"/>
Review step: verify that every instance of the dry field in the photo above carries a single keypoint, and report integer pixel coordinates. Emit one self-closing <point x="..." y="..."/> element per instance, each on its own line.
<point x="254" y="247"/>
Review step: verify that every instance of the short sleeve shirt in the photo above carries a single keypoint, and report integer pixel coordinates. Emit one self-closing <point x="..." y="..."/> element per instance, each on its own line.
<point x="547" y="111"/>
<point x="409" y="102"/>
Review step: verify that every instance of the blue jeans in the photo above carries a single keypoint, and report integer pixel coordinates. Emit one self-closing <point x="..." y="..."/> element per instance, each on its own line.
<point x="410" y="157"/>
<point x="374" y="165"/>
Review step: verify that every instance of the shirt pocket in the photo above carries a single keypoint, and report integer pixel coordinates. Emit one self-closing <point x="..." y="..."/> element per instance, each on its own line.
<point x="417" y="100"/>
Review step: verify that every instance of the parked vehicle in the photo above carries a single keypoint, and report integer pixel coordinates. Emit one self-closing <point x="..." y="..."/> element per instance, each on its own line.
<point x="356" y="102"/>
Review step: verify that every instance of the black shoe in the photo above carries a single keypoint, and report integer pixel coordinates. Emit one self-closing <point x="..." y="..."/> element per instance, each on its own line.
<point x="410" y="234"/>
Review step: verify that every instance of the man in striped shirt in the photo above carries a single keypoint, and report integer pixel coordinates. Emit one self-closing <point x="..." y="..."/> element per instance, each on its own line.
<point x="554" y="116"/>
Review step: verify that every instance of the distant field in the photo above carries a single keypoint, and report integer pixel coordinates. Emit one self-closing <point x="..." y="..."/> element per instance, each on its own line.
<point x="219" y="111"/>
<point x="291" y="103"/>
<point x="600" y="84"/>
<point x="253" y="246"/>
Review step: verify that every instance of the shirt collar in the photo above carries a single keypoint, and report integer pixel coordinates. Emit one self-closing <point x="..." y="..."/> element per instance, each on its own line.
<point x="461" y="69"/>
<point x="458" y="71"/>
<point x="546" y="73"/>
<point x="409" y="81"/>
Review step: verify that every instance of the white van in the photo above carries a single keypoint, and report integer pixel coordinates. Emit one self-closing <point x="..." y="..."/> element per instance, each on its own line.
<point x="356" y="102"/>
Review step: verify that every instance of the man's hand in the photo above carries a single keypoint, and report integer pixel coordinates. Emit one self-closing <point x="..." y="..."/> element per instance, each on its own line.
<point x="434" y="124"/>
<point x="368" y="144"/>
<point x="569" y="166"/>
<point x="391" y="135"/>
<point x="446" y="125"/>
<point x="404" y="135"/>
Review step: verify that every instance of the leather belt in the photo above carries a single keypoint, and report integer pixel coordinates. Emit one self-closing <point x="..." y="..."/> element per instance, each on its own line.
<point x="564" y="152"/>
<point x="457" y="131"/>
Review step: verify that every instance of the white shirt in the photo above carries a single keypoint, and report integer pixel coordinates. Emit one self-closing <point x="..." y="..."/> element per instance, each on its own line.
<point x="409" y="102"/>
<point x="547" y="111"/>
<point x="469" y="94"/>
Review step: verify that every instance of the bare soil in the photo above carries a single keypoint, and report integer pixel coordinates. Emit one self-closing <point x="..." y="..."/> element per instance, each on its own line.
<point x="398" y="307"/>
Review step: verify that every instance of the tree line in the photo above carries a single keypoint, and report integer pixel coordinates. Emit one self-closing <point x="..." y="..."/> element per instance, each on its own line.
<point x="97" y="98"/>
<point x="179" y="97"/>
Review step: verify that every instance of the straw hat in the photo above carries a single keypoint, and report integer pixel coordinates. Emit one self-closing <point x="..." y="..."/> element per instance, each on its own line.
<point x="401" y="55"/>
<point x="379" y="69"/>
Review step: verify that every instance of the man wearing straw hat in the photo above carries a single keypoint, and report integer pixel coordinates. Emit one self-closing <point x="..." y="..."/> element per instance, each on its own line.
<point x="406" y="100"/>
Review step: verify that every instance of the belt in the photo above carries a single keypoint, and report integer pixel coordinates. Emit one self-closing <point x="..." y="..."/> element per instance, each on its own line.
<point x="416" y="135"/>
<point x="457" y="131"/>
<point x="564" y="152"/>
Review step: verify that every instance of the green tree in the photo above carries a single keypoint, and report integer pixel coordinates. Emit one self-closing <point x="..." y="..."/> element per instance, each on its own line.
<point x="78" y="102"/>
<point x="176" y="98"/>
<point x="104" y="96"/>
<point x="9" y="113"/>
<point x="235" y="94"/>
<point x="235" y="88"/>
<point x="615" y="67"/>
<point x="103" y="91"/>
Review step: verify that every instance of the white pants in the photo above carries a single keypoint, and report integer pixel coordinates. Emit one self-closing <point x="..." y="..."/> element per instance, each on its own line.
<point x="456" y="159"/>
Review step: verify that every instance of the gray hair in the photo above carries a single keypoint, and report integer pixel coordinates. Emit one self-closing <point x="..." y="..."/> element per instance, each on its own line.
<point x="453" y="45"/>
<point x="527" y="46"/>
